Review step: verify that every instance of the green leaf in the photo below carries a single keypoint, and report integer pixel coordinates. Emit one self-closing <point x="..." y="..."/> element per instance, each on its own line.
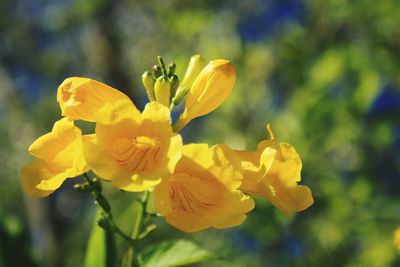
<point x="100" y="251"/>
<point x="173" y="253"/>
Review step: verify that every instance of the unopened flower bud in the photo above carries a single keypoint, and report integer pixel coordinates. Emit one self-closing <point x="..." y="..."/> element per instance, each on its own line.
<point x="156" y="71"/>
<point x="148" y="83"/>
<point x="196" y="64"/>
<point x="171" y="69"/>
<point x="211" y="87"/>
<point x="162" y="90"/>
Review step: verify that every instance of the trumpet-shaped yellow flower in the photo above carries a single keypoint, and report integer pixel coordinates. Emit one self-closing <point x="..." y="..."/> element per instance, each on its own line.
<point x="134" y="150"/>
<point x="273" y="172"/>
<point x="211" y="87"/>
<point x="80" y="98"/>
<point x="203" y="191"/>
<point x="59" y="155"/>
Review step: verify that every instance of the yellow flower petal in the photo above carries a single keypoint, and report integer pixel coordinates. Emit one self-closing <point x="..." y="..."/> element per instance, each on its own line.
<point x="226" y="166"/>
<point x="277" y="175"/>
<point x="211" y="87"/>
<point x="133" y="150"/>
<point x="203" y="191"/>
<point x="59" y="155"/>
<point x="172" y="157"/>
<point x="198" y="157"/>
<point x="255" y="165"/>
<point x="80" y="98"/>
<point x="99" y="160"/>
<point x="49" y="146"/>
<point x="32" y="175"/>
<point x="286" y="198"/>
<point x="191" y="223"/>
<point x="137" y="182"/>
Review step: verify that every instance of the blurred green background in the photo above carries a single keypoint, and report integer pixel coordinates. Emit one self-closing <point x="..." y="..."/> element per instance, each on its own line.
<point x="325" y="74"/>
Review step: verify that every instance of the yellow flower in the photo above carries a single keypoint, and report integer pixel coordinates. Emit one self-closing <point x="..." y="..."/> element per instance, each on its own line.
<point x="396" y="238"/>
<point x="134" y="150"/>
<point x="203" y="191"/>
<point x="211" y="87"/>
<point x="273" y="172"/>
<point x="80" y="98"/>
<point x="58" y="155"/>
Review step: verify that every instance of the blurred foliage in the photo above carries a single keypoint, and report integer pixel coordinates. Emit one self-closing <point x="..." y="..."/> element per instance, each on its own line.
<point x="325" y="74"/>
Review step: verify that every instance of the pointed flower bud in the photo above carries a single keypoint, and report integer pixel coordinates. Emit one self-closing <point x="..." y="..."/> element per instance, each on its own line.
<point x="162" y="90"/>
<point x="211" y="87"/>
<point x="148" y="82"/>
<point x="196" y="64"/>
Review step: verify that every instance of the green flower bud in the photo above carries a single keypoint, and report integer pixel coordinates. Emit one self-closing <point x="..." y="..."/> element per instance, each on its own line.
<point x="171" y="69"/>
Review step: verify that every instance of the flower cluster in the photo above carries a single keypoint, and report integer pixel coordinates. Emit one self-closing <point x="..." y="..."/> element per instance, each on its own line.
<point x="195" y="186"/>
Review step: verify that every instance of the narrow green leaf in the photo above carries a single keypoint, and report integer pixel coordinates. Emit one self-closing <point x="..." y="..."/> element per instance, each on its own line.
<point x="100" y="251"/>
<point x="173" y="253"/>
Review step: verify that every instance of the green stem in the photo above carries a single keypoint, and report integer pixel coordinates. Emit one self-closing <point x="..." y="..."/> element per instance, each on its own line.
<point x="105" y="206"/>
<point x="139" y="213"/>
<point x="107" y="222"/>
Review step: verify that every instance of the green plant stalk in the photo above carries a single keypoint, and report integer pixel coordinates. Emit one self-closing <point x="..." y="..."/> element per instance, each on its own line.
<point x="139" y="214"/>
<point x="108" y="215"/>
